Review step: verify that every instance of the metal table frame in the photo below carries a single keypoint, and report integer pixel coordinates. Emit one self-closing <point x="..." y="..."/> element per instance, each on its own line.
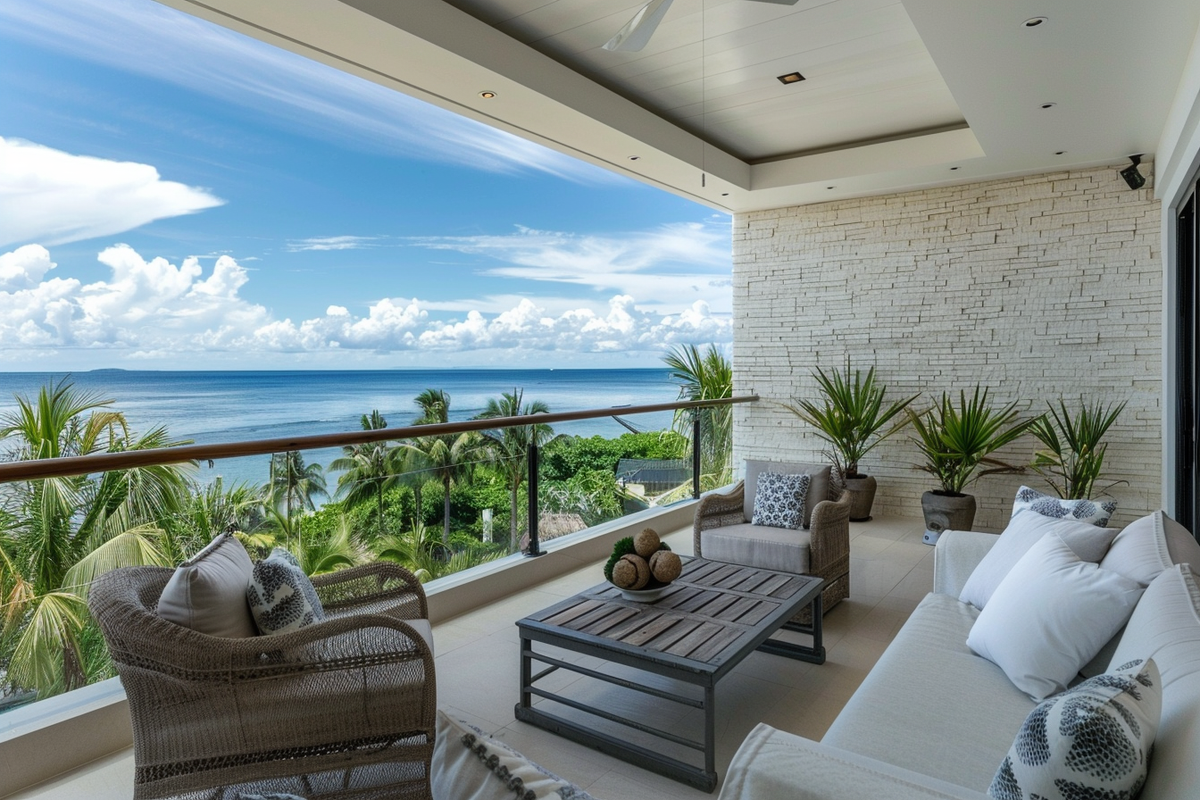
<point x="701" y="674"/>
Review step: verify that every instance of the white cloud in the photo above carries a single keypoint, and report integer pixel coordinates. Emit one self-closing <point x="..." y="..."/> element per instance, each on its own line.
<point x="668" y="269"/>
<point x="332" y="243"/>
<point x="53" y="197"/>
<point x="155" y="310"/>
<point x="149" y="39"/>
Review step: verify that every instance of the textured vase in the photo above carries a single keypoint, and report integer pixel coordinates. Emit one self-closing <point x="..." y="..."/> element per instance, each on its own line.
<point x="863" y="490"/>
<point x="954" y="512"/>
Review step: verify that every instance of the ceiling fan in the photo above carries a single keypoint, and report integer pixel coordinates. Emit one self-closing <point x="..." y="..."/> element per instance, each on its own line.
<point x="637" y="31"/>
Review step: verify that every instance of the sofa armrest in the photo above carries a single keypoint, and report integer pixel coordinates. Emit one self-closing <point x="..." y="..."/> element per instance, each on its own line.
<point x="830" y="536"/>
<point x="955" y="557"/>
<point x="716" y="510"/>
<point x="772" y="764"/>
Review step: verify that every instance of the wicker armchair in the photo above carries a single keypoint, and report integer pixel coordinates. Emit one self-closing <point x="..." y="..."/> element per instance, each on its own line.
<point x="344" y="708"/>
<point x="827" y="540"/>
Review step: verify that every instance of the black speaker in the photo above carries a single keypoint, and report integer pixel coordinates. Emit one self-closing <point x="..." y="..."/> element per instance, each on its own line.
<point x="1131" y="174"/>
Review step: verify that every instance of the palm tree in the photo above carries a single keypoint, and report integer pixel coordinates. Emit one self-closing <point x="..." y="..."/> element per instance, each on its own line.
<point x="419" y="551"/>
<point x="705" y="376"/>
<point x="447" y="456"/>
<point x="61" y="533"/>
<point x="369" y="469"/>
<point x="509" y="447"/>
<point x="295" y="484"/>
<point x="214" y="509"/>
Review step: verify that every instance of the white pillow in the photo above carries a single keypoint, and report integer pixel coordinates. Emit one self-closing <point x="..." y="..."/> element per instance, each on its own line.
<point x="1050" y="615"/>
<point x="207" y="593"/>
<point x="1024" y="530"/>
<point x="470" y="765"/>
<point x="1093" y="740"/>
<point x="1150" y="545"/>
<point x="1093" y="512"/>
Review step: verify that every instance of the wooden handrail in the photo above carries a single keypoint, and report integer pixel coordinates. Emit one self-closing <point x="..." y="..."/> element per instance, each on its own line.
<point x="103" y="462"/>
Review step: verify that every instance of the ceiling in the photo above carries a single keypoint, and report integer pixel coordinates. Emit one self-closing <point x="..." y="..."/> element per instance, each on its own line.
<point x="896" y="96"/>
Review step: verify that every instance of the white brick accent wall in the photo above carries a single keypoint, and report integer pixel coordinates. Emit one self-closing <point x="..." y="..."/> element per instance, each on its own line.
<point x="1036" y="287"/>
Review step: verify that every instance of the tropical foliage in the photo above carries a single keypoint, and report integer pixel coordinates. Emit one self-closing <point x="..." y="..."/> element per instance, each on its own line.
<point x="1073" y="458"/>
<point x="851" y="415"/>
<point x="447" y="457"/>
<point x="705" y="376"/>
<point x="508" y="448"/>
<point x="956" y="440"/>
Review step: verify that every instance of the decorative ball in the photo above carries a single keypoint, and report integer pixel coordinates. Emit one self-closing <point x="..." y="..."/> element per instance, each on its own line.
<point x="647" y="543"/>
<point x="631" y="572"/>
<point x="665" y="566"/>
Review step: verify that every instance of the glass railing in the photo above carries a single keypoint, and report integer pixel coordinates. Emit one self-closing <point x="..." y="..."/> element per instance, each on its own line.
<point x="436" y="498"/>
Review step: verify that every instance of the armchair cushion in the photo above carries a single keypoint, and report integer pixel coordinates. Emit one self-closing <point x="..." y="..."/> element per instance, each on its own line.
<point x="207" y="593"/>
<point x="760" y="546"/>
<point x="281" y="597"/>
<point x="779" y="500"/>
<point x="819" y="485"/>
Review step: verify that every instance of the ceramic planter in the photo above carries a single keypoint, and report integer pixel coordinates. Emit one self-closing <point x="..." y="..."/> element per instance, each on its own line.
<point x="944" y="511"/>
<point x="863" y="489"/>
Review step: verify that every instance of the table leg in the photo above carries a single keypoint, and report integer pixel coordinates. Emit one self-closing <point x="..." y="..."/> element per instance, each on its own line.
<point x="710" y="730"/>
<point x="526" y="673"/>
<point x="815" y="653"/>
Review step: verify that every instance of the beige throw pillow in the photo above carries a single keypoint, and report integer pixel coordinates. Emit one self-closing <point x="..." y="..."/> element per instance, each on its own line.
<point x="207" y="593"/>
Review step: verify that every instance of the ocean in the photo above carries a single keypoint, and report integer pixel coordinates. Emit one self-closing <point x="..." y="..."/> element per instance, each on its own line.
<point x="210" y="407"/>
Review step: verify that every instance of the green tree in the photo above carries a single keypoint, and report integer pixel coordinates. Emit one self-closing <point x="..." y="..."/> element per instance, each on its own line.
<point x="61" y="533"/>
<point x="214" y="509"/>
<point x="705" y="376"/>
<point x="508" y="448"/>
<point x="294" y="484"/>
<point x="368" y="470"/>
<point x="448" y="457"/>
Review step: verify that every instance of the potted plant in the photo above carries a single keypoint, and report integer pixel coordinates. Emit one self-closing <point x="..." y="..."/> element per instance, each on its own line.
<point x="850" y="418"/>
<point x="1074" y="456"/>
<point x="955" y="441"/>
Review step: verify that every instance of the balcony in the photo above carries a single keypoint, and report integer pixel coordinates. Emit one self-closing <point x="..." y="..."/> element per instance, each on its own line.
<point x="477" y="668"/>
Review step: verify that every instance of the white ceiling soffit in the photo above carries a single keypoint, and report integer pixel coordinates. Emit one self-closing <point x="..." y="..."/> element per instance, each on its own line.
<point x="895" y="97"/>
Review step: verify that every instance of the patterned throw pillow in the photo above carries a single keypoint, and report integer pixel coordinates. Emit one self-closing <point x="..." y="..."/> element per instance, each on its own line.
<point x="1093" y="512"/>
<point x="282" y="598"/>
<point x="779" y="500"/>
<point x="1092" y="741"/>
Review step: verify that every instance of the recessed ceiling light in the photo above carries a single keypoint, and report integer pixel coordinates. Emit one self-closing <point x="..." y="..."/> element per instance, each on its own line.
<point x="634" y="158"/>
<point x="724" y="194"/>
<point x="830" y="187"/>
<point x="953" y="168"/>
<point x="1059" y="152"/>
<point x="1049" y="105"/>
<point x="1033" y="22"/>
<point x="487" y="95"/>
<point x="791" y="77"/>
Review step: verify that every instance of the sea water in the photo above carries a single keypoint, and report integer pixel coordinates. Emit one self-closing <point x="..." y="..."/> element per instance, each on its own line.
<point x="211" y="407"/>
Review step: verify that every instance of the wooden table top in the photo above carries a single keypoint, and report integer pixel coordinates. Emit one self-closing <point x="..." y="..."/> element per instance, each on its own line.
<point x="709" y="618"/>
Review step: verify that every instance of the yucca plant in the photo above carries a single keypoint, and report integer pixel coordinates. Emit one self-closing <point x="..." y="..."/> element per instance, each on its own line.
<point x="1074" y="456"/>
<point x="850" y="416"/>
<point x="956" y="440"/>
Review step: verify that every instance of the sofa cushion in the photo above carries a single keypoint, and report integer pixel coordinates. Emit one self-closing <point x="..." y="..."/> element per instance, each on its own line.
<point x="929" y="680"/>
<point x="819" y="486"/>
<point x="1091" y="741"/>
<point x="779" y="500"/>
<point x="1050" y="615"/>
<point x="1150" y="545"/>
<point x="1025" y="530"/>
<point x="207" y="593"/>
<point x="1166" y="627"/>
<point x="1094" y="512"/>
<point x="758" y="546"/>
<point x="281" y="597"/>
<point x="470" y="765"/>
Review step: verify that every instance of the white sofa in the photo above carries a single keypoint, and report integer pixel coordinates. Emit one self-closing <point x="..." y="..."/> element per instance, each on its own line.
<point x="934" y="720"/>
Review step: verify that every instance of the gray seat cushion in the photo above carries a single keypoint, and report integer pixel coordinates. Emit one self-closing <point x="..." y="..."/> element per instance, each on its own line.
<point x="819" y="484"/>
<point x="761" y="546"/>
<point x="928" y="680"/>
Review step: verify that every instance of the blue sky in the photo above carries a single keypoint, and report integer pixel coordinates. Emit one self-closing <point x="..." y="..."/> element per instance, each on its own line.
<point x="175" y="196"/>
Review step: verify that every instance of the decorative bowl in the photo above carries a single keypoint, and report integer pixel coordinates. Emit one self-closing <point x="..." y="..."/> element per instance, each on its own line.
<point x="652" y="592"/>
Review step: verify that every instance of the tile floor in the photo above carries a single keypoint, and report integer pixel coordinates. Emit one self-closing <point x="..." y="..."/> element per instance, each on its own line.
<point x="477" y="672"/>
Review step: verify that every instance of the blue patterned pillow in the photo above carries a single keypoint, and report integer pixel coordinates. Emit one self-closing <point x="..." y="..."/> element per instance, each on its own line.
<point x="1091" y="741"/>
<point x="282" y="598"/>
<point x="1095" y="512"/>
<point x="779" y="500"/>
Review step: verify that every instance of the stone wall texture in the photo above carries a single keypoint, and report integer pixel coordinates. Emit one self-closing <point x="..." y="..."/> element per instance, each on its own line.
<point x="1038" y="288"/>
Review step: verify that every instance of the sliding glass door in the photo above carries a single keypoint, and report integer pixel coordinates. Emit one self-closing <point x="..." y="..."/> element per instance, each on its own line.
<point x="1187" y="296"/>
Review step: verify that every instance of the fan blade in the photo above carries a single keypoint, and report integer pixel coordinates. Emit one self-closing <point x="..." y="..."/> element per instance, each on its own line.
<point x="637" y="31"/>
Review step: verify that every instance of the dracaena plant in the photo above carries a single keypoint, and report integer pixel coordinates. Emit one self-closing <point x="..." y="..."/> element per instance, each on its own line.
<point x="851" y="415"/>
<point x="957" y="440"/>
<point x="1073" y="458"/>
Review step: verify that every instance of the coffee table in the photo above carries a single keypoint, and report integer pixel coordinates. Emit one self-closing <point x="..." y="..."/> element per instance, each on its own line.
<point x="704" y="624"/>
